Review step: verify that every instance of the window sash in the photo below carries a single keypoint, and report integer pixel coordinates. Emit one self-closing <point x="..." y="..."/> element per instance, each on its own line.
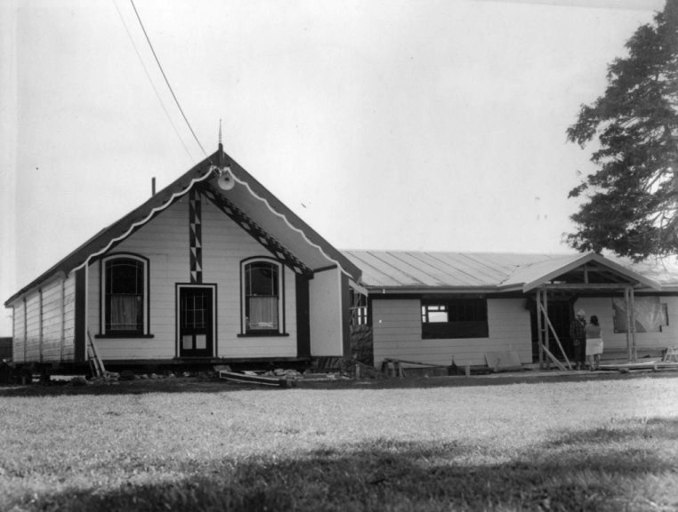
<point x="650" y="314"/>
<point x="125" y="312"/>
<point x="262" y="313"/>
<point x="124" y="295"/>
<point x="262" y="298"/>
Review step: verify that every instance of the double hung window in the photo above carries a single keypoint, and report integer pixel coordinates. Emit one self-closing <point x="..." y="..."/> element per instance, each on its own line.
<point x="262" y="297"/>
<point x="124" y="295"/>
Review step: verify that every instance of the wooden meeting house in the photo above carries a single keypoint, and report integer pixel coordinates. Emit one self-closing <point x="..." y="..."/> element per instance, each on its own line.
<point x="211" y="268"/>
<point x="215" y="269"/>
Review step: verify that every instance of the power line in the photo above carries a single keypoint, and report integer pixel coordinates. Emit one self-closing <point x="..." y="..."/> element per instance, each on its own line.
<point x="150" y="80"/>
<point x="165" y="77"/>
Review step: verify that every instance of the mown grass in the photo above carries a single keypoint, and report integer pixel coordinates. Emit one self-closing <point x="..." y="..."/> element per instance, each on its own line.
<point x="590" y="445"/>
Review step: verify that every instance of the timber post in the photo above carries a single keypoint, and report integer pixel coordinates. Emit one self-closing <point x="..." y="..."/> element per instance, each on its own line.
<point x="540" y="334"/>
<point x="545" y="296"/>
<point x="627" y="304"/>
<point x="632" y="312"/>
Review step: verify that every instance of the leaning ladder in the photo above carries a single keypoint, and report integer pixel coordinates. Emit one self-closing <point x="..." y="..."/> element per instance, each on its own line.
<point x="95" y="362"/>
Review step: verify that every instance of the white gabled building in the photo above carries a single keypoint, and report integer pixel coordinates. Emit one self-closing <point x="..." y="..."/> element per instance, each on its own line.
<point x="212" y="268"/>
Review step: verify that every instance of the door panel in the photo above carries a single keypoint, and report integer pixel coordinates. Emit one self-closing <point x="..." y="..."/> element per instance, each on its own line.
<point x="196" y="322"/>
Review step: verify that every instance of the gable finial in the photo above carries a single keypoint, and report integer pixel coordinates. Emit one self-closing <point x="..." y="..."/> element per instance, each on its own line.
<point x="221" y="146"/>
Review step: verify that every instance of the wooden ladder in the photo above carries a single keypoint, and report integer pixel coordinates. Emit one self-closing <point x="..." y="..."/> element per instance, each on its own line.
<point x="95" y="362"/>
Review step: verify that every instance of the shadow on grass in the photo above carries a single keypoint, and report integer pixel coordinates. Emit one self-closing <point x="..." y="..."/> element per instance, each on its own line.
<point x="134" y="387"/>
<point x="652" y="428"/>
<point x="194" y="385"/>
<point x="385" y="475"/>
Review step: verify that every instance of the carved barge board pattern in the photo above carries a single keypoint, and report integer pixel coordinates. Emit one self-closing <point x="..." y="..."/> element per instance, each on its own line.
<point x="255" y="231"/>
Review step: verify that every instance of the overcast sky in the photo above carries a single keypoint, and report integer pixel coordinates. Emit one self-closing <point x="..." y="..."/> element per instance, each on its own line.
<point x="421" y="125"/>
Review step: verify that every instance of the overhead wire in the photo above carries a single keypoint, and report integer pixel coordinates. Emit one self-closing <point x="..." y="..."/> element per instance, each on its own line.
<point x="157" y="60"/>
<point x="150" y="80"/>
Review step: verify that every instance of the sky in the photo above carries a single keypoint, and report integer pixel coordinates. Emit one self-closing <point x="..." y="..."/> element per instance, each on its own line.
<point x="384" y="124"/>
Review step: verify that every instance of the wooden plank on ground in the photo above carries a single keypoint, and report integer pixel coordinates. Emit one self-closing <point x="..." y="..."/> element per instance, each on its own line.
<point x="248" y="378"/>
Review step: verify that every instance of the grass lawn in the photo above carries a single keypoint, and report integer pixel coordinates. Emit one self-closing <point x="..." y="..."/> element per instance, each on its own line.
<point x="577" y="445"/>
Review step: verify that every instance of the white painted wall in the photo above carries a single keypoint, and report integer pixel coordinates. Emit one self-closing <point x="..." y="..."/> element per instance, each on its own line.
<point x="33" y="326"/>
<point x="397" y="334"/>
<point x="225" y="245"/>
<point x="50" y="335"/>
<point x="69" y="318"/>
<point x="325" y="313"/>
<point x="52" y="318"/>
<point x="18" y="332"/>
<point x="165" y="242"/>
<point x="602" y="308"/>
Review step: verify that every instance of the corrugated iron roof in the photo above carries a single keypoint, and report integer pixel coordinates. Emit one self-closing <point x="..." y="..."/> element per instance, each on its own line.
<point x="410" y="270"/>
<point x="413" y="269"/>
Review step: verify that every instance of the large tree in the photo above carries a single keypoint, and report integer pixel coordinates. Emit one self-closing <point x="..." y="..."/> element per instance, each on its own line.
<point x="631" y="200"/>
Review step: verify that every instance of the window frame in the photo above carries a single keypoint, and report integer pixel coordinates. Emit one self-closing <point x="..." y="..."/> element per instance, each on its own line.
<point x="476" y="327"/>
<point x="620" y="326"/>
<point x="244" y="330"/>
<point x="104" y="328"/>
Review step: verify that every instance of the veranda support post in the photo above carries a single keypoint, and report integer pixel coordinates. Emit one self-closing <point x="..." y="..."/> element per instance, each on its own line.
<point x="632" y="312"/>
<point x="545" y="297"/>
<point x="627" y="305"/>
<point x="540" y="334"/>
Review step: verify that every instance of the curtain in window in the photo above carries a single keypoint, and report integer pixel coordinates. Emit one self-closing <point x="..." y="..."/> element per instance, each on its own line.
<point x="263" y="312"/>
<point x="648" y="313"/>
<point x="124" y="312"/>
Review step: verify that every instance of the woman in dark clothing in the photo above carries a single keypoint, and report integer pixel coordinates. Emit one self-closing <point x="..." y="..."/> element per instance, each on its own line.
<point x="578" y="335"/>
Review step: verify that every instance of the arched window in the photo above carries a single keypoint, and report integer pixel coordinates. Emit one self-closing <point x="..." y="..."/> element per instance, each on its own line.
<point x="125" y="295"/>
<point x="262" y="297"/>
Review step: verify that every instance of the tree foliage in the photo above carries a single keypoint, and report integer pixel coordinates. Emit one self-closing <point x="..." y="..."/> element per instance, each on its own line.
<point x="632" y="197"/>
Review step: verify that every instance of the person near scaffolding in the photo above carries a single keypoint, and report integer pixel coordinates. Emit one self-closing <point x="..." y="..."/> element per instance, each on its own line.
<point x="594" y="343"/>
<point x="578" y="335"/>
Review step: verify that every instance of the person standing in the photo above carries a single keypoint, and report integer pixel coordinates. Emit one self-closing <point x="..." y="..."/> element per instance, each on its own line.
<point x="578" y="335"/>
<point x="594" y="343"/>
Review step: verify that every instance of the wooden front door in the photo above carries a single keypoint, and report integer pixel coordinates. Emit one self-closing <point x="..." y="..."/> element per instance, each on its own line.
<point x="196" y="321"/>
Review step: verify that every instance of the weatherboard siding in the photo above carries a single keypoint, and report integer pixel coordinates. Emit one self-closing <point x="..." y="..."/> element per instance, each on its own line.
<point x="397" y="334"/>
<point x="165" y="242"/>
<point x="52" y="321"/>
<point x="225" y="246"/>
<point x="68" y="350"/>
<point x="18" y="332"/>
<point x="602" y="308"/>
<point x="44" y="324"/>
<point x="32" y="350"/>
